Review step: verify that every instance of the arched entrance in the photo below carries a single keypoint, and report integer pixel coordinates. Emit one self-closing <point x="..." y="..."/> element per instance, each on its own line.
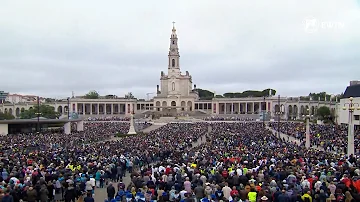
<point x="157" y="106"/>
<point x="60" y="109"/>
<point x="312" y="110"/>
<point x="173" y="103"/>
<point x="296" y="111"/>
<point x="189" y="106"/>
<point x="17" y="112"/>
<point x="290" y="112"/>
<point x="183" y="105"/>
<point x="277" y="108"/>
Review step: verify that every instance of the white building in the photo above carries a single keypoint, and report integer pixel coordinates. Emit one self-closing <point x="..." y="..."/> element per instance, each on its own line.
<point x="17" y="98"/>
<point x="176" y="92"/>
<point x="176" y="95"/>
<point x="353" y="90"/>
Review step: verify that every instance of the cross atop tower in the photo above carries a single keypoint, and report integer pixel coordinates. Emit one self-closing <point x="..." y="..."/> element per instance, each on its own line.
<point x="173" y="25"/>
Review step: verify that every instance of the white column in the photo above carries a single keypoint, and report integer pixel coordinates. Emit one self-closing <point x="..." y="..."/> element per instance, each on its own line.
<point x="91" y="107"/>
<point x="112" y="108"/>
<point x="105" y="109"/>
<point x="80" y="126"/>
<point x="351" y="147"/>
<point x="307" y="136"/>
<point x="4" y="129"/>
<point x="67" y="128"/>
<point x="98" y="108"/>
<point x="232" y="108"/>
<point x="246" y="107"/>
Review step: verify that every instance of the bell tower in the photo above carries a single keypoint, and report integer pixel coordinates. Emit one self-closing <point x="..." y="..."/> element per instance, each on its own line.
<point x="174" y="56"/>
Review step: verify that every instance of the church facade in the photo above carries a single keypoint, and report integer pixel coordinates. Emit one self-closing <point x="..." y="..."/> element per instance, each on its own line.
<point x="176" y="91"/>
<point x="176" y="95"/>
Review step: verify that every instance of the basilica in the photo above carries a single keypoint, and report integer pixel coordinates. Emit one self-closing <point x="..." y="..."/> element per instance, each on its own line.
<point x="176" y="91"/>
<point x="177" y="95"/>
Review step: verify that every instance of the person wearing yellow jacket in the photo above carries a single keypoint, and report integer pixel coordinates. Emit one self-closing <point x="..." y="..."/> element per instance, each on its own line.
<point x="306" y="197"/>
<point x="252" y="195"/>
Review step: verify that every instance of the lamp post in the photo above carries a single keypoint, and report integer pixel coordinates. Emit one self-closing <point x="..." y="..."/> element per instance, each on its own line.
<point x="278" y="113"/>
<point x="68" y="107"/>
<point x="263" y="112"/>
<point x="307" y="132"/>
<point x="38" y="115"/>
<point x="351" y="107"/>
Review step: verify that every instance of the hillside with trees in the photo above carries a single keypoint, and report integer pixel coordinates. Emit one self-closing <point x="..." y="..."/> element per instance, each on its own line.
<point x="321" y="96"/>
<point x="208" y="95"/>
<point x="45" y="111"/>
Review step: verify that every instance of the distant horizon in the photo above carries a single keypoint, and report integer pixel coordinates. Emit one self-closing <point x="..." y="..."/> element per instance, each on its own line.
<point x="277" y="94"/>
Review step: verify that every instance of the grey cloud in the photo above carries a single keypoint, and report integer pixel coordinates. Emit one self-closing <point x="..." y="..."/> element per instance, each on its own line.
<point x="51" y="49"/>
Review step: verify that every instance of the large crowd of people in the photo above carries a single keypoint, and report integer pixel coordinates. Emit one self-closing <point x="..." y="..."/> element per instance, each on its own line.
<point x="109" y="118"/>
<point x="332" y="138"/>
<point x="220" y="161"/>
<point x="223" y="118"/>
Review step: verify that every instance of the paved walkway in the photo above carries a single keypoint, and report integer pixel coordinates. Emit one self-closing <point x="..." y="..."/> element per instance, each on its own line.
<point x="291" y="138"/>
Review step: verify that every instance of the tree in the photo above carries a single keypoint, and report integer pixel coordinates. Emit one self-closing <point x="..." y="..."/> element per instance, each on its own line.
<point x="251" y="93"/>
<point x="321" y="96"/>
<point x="324" y="113"/>
<point x="204" y="94"/>
<point x="46" y="111"/>
<point x="92" y="95"/>
<point x="6" y="116"/>
<point x="49" y="100"/>
<point x="110" y="96"/>
<point x="129" y="96"/>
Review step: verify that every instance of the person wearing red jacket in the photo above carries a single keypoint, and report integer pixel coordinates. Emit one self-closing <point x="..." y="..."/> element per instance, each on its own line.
<point x="234" y="192"/>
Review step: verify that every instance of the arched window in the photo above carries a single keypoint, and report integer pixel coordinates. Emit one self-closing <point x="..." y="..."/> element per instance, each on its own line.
<point x="173" y="42"/>
<point x="173" y="63"/>
<point x="173" y="86"/>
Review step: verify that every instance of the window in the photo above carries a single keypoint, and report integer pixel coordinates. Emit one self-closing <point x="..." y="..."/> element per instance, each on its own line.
<point x="173" y="86"/>
<point x="173" y="42"/>
<point x="357" y="117"/>
<point x="173" y="63"/>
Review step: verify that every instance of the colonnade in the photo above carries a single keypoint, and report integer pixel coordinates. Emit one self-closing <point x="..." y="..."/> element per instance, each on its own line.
<point x="236" y="107"/>
<point x="103" y="108"/>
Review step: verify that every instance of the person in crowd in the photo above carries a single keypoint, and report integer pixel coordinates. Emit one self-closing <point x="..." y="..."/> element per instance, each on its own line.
<point x="178" y="161"/>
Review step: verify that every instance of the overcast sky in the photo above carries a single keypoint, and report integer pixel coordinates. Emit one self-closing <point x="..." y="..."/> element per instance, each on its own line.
<point x="51" y="48"/>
